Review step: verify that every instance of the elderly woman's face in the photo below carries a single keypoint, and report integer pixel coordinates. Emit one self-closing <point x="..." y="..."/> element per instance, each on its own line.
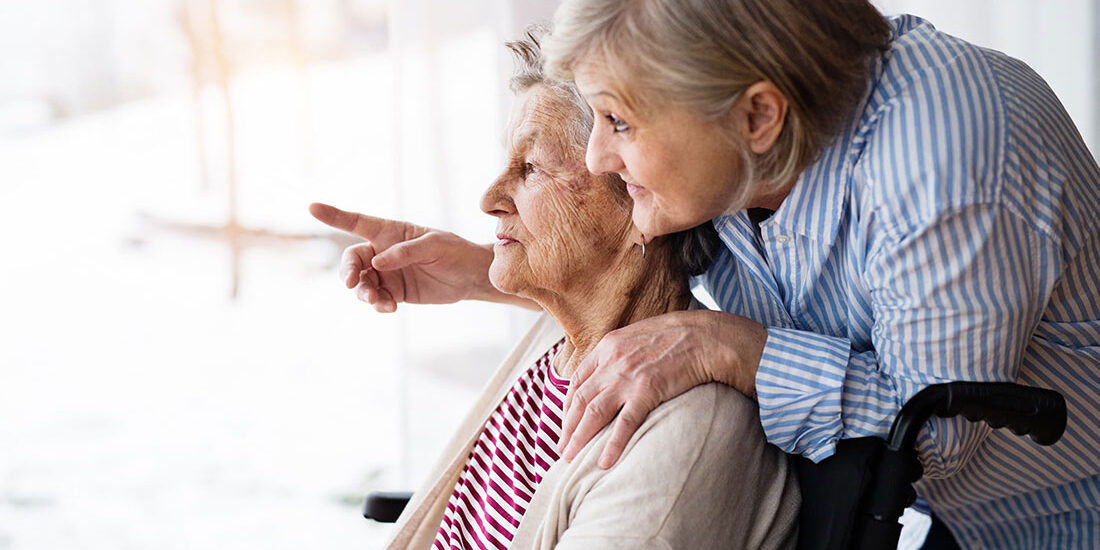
<point x="558" y="224"/>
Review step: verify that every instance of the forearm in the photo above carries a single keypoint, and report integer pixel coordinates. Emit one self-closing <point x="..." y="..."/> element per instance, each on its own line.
<point x="804" y="395"/>
<point x="815" y="389"/>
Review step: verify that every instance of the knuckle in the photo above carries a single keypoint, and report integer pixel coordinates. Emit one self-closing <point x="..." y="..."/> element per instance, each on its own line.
<point x="587" y="368"/>
<point x="628" y="422"/>
<point x="596" y="408"/>
<point x="355" y="250"/>
<point x="433" y="238"/>
<point x="581" y="397"/>
<point x="612" y="339"/>
<point x="646" y="382"/>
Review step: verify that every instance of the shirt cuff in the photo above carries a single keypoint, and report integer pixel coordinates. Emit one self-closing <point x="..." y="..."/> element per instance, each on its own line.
<point x="799" y="385"/>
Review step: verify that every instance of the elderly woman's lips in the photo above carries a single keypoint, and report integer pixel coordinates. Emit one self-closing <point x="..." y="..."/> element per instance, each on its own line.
<point x="503" y="240"/>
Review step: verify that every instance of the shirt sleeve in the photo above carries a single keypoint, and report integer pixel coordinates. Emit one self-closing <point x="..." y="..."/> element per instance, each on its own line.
<point x="955" y="298"/>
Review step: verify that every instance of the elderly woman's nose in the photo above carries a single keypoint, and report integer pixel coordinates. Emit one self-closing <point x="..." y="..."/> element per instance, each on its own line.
<point x="497" y="200"/>
<point x="599" y="158"/>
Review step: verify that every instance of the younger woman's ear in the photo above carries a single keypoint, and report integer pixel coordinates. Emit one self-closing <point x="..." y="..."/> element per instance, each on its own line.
<point x="759" y="115"/>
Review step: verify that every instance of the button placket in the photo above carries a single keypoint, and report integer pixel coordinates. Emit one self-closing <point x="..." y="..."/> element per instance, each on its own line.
<point x="784" y="248"/>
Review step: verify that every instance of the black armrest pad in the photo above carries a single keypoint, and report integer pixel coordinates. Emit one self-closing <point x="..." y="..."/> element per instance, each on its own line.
<point x="385" y="506"/>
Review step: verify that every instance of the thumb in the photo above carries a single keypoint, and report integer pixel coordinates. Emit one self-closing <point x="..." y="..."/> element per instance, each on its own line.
<point x="422" y="249"/>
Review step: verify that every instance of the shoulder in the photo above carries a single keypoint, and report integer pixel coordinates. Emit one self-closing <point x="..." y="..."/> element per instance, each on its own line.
<point x="723" y="407"/>
<point x="709" y="427"/>
<point x="925" y="63"/>
<point x="932" y="134"/>
<point x="949" y="125"/>
<point x="709" y="424"/>
<point x="698" y="472"/>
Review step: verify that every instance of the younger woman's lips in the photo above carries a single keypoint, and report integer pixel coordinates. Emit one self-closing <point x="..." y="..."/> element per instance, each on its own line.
<point x="633" y="189"/>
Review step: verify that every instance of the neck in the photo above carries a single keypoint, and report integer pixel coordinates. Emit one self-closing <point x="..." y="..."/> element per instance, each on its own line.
<point x="635" y="288"/>
<point x="772" y="200"/>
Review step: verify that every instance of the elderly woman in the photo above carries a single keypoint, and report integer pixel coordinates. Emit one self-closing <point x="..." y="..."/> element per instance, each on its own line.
<point x="897" y="207"/>
<point x="698" y="472"/>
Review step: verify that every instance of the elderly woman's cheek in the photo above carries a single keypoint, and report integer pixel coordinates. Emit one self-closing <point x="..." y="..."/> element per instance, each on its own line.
<point x="594" y="230"/>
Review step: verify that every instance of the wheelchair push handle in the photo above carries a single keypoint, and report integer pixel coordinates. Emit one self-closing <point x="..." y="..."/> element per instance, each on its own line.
<point x="1035" y="412"/>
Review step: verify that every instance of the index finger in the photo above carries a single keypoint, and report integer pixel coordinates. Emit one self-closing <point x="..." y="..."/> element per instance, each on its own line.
<point x="362" y="225"/>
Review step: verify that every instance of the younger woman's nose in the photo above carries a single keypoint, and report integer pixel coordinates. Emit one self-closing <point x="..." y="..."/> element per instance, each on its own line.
<point x="599" y="157"/>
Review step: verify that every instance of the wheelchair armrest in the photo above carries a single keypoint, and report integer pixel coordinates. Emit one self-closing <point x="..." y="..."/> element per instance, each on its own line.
<point x="1036" y="412"/>
<point x="385" y="506"/>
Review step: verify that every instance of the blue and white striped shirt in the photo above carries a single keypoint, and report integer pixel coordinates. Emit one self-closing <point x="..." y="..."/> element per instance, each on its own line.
<point x="951" y="232"/>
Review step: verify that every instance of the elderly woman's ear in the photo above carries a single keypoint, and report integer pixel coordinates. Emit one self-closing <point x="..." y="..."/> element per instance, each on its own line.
<point x="759" y="115"/>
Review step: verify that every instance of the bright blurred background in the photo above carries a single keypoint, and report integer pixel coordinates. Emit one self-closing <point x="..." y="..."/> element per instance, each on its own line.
<point x="180" y="366"/>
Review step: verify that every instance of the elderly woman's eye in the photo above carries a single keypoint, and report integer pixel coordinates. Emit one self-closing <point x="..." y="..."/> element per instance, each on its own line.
<point x="529" y="169"/>
<point x="617" y="123"/>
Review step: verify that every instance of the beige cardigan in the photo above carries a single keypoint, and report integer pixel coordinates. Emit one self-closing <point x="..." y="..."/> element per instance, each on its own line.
<point x="698" y="474"/>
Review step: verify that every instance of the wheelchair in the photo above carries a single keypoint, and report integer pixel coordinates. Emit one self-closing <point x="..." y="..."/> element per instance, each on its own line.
<point x="855" y="498"/>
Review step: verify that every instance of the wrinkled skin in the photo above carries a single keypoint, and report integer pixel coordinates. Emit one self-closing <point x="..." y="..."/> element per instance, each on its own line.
<point x="566" y="227"/>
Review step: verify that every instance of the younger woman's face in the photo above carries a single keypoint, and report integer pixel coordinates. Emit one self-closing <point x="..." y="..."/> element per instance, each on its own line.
<point x="681" y="168"/>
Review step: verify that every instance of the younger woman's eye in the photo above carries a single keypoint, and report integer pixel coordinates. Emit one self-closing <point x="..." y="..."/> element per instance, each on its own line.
<point x="617" y="123"/>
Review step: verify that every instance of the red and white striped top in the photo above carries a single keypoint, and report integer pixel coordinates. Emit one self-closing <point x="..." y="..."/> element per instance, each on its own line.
<point x="513" y="452"/>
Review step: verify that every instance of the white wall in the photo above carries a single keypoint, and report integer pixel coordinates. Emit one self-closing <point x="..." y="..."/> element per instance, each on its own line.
<point x="1060" y="39"/>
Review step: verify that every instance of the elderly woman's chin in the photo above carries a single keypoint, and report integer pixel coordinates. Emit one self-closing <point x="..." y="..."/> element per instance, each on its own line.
<point x="505" y="275"/>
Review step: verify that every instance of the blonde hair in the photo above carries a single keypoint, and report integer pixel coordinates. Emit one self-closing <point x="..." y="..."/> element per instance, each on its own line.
<point x="703" y="54"/>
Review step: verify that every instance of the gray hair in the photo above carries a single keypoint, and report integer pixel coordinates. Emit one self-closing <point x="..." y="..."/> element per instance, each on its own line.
<point x="529" y="73"/>
<point x="691" y="251"/>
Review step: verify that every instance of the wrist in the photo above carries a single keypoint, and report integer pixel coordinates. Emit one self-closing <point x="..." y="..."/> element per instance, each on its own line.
<point x="739" y="345"/>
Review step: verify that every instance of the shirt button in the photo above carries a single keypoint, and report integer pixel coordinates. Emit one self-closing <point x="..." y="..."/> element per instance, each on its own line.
<point x="782" y="239"/>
